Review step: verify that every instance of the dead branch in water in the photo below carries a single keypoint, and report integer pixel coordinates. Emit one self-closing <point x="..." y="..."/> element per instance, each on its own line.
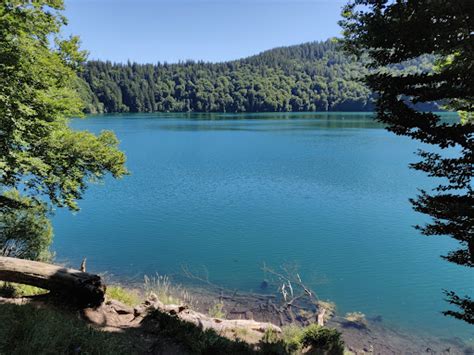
<point x="196" y="277"/>
<point x="296" y="294"/>
<point x="291" y="282"/>
<point x="292" y="301"/>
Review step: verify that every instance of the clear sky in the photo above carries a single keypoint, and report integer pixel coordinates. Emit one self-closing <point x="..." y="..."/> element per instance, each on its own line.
<point x="148" y="31"/>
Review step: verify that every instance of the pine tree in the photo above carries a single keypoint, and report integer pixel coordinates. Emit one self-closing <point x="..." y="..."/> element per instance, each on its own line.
<point x="393" y="33"/>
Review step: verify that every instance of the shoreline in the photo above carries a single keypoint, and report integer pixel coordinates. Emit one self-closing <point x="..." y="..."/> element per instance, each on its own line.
<point x="292" y="307"/>
<point x="372" y="335"/>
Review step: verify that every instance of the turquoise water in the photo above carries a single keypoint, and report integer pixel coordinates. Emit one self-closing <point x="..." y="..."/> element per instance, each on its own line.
<point x="327" y="192"/>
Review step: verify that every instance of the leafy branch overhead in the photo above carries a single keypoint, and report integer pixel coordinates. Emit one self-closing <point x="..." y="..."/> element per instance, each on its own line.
<point x="43" y="162"/>
<point x="392" y="33"/>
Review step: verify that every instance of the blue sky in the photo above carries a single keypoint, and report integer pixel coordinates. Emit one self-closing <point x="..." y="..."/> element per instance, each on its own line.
<point x="148" y="31"/>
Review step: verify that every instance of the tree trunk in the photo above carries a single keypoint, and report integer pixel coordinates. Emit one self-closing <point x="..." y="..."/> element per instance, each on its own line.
<point x="81" y="288"/>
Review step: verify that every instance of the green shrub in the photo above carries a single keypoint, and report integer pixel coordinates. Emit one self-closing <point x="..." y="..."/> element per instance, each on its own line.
<point x="292" y="336"/>
<point x="25" y="231"/>
<point x="293" y="339"/>
<point x="322" y="340"/>
<point x="272" y="344"/>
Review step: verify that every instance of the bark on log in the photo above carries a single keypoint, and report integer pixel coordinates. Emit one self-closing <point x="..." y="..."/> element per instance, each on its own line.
<point x="81" y="288"/>
<point x="224" y="327"/>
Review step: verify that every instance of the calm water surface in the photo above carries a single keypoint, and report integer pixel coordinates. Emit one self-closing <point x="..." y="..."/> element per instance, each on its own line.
<point x="327" y="192"/>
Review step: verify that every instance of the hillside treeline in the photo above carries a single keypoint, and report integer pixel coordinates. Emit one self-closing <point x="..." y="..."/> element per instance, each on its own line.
<point x="315" y="76"/>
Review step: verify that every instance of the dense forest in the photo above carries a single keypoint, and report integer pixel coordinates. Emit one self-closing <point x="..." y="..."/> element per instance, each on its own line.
<point x="315" y="76"/>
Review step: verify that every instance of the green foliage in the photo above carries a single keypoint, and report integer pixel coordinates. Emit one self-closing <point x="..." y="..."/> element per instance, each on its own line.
<point x="25" y="232"/>
<point x="325" y="340"/>
<point x="309" y="77"/>
<point x="91" y="102"/>
<point x="294" y="339"/>
<point x="392" y="33"/>
<point x="273" y="344"/>
<point x="292" y="335"/>
<point x="14" y="290"/>
<point x="125" y="296"/>
<point x="193" y="338"/>
<point x="465" y="305"/>
<point x="39" y="154"/>
<point x="31" y="330"/>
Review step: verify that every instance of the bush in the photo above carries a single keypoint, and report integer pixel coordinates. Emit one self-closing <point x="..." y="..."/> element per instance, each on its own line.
<point x="292" y="336"/>
<point x="25" y="232"/>
<point x="272" y="344"/>
<point x="293" y="339"/>
<point x="325" y="340"/>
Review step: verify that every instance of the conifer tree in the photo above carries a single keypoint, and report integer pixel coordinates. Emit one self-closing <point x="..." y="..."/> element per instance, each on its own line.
<point x="392" y="33"/>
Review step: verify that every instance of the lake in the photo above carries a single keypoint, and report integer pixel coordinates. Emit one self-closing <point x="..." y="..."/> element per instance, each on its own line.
<point x="227" y="193"/>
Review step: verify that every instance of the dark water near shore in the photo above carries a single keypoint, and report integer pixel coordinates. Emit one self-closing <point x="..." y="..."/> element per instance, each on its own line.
<point x="327" y="192"/>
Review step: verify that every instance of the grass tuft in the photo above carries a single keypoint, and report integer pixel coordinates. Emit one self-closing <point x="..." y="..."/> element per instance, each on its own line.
<point x="356" y="319"/>
<point x="30" y="330"/>
<point x="217" y="310"/>
<point x="14" y="290"/>
<point x="125" y="296"/>
<point x="167" y="293"/>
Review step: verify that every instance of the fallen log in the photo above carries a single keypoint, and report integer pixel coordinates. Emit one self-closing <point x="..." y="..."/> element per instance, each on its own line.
<point x="252" y="329"/>
<point x="80" y="288"/>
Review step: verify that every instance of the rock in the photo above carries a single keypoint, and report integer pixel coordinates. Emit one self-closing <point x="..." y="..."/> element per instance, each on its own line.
<point x="264" y="285"/>
<point x="152" y="297"/>
<point x="111" y="317"/>
<point x="119" y="307"/>
<point x="139" y="310"/>
<point x="221" y="326"/>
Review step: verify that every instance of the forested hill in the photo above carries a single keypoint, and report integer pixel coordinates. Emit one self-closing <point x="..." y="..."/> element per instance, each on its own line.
<point x="313" y="76"/>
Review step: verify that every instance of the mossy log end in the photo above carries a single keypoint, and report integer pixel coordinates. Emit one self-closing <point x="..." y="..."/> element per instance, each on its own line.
<point x="80" y="288"/>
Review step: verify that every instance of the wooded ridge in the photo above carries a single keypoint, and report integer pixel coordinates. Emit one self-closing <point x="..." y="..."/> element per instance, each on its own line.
<point x="316" y="76"/>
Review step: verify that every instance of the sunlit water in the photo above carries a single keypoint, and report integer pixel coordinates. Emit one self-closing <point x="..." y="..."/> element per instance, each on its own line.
<point x="226" y="193"/>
